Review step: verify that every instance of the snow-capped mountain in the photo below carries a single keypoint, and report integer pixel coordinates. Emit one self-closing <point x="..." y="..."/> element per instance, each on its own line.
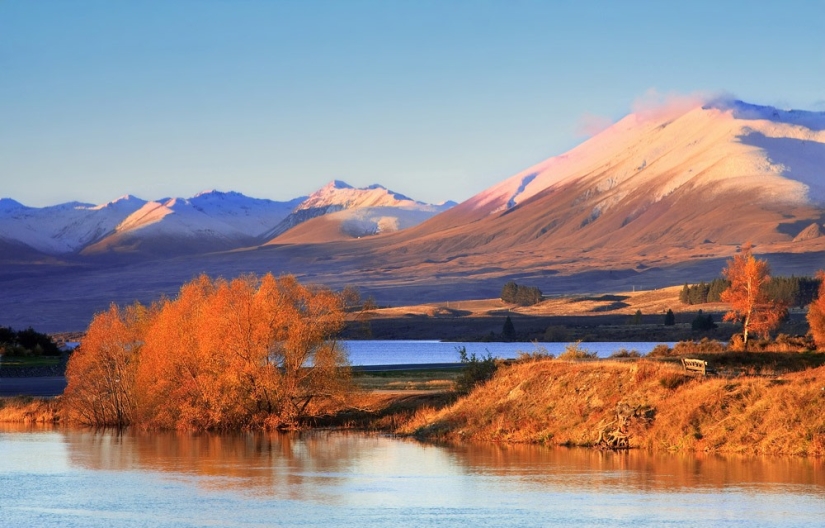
<point x="654" y="187"/>
<point x="63" y="228"/>
<point x="207" y="222"/>
<point x="352" y="213"/>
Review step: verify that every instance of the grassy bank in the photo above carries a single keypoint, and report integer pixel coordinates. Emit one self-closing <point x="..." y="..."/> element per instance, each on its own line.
<point x="25" y="409"/>
<point x="651" y="404"/>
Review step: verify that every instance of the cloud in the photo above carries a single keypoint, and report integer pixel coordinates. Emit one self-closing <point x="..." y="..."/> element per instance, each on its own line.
<point x="654" y="105"/>
<point x="590" y="124"/>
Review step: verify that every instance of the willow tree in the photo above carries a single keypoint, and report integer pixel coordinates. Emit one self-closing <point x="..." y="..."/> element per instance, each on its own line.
<point x="816" y="313"/>
<point x="101" y="372"/>
<point x="247" y="353"/>
<point x="750" y="304"/>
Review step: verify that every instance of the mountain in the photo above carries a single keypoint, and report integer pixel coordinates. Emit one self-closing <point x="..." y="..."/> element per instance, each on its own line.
<point x="662" y="197"/>
<point x="351" y="213"/>
<point x="210" y="221"/>
<point x="651" y="190"/>
<point x="64" y="228"/>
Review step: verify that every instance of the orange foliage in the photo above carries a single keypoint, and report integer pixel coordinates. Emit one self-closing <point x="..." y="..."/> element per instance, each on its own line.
<point x="101" y="372"/>
<point x="816" y="313"/>
<point x="251" y="352"/>
<point x="750" y="304"/>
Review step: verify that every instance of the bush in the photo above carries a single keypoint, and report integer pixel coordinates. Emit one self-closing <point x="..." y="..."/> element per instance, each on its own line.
<point x="575" y="351"/>
<point x="702" y="323"/>
<point x="624" y="353"/>
<point x="476" y="370"/>
<point x="539" y="354"/>
<point x="705" y="346"/>
<point x="660" y="350"/>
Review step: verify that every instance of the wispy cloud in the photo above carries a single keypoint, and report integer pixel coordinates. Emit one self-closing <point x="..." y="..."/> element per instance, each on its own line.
<point x="657" y="105"/>
<point x="591" y="124"/>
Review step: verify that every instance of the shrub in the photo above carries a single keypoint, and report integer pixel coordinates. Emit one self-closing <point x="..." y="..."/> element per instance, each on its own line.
<point x="476" y="370"/>
<point x="624" y="353"/>
<point x="575" y="351"/>
<point x="539" y="354"/>
<point x="660" y="350"/>
<point x="705" y="346"/>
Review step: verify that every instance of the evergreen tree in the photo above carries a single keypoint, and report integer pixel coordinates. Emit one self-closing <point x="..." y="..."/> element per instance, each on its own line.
<point x="508" y="332"/>
<point x="670" y="318"/>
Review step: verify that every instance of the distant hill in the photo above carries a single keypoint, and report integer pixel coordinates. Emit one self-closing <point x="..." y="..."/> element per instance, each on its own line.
<point x="660" y="198"/>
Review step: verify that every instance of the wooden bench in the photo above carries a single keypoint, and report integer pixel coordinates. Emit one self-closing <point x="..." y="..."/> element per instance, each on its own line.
<point x="696" y="366"/>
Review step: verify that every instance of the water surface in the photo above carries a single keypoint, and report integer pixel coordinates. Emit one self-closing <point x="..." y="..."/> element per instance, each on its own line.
<point x="86" y="478"/>
<point x="381" y="352"/>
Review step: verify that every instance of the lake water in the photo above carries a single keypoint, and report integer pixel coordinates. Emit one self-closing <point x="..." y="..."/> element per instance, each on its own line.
<point x="416" y="352"/>
<point x="84" y="478"/>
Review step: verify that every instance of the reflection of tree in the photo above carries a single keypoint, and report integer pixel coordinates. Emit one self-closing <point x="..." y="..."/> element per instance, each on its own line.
<point x="306" y="466"/>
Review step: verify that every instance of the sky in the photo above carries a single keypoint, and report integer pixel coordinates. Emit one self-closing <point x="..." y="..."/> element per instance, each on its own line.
<point x="437" y="100"/>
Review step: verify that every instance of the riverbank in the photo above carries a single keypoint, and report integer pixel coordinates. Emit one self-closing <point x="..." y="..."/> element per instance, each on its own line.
<point x="762" y="404"/>
<point x="647" y="404"/>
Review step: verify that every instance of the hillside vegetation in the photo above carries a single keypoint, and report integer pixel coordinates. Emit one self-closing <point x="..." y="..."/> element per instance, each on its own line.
<point x="654" y="405"/>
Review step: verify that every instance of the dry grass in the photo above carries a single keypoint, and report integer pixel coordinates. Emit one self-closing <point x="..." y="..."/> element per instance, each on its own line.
<point x="570" y="403"/>
<point x="25" y="409"/>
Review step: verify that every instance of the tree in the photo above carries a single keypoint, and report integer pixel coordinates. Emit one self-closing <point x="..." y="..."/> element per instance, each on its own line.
<point x="816" y="313"/>
<point x="508" y="331"/>
<point x="247" y="353"/>
<point x="750" y="304"/>
<point x="670" y="318"/>
<point x="637" y="318"/>
<point x="101" y="372"/>
<point x="509" y="291"/>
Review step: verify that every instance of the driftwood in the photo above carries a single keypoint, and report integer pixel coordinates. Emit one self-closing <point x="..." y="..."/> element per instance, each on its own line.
<point x="616" y="433"/>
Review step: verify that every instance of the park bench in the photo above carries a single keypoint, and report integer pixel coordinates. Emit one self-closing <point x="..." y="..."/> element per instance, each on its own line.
<point x="696" y="366"/>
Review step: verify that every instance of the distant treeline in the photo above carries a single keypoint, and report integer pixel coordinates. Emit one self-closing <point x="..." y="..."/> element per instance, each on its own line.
<point x="26" y="342"/>
<point x="795" y="291"/>
<point x="521" y="295"/>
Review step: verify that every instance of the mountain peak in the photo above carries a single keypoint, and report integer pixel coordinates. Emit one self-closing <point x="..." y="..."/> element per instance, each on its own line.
<point x="7" y="204"/>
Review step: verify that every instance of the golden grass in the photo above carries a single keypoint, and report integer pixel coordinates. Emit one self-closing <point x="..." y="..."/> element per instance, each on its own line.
<point x="25" y="409"/>
<point x="566" y="403"/>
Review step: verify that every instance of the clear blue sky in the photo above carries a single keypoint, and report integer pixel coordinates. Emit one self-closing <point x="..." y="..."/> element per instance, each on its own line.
<point x="434" y="99"/>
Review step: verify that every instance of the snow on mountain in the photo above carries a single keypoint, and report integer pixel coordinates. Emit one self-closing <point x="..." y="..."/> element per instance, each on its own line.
<point x="354" y="212"/>
<point x="653" y="189"/>
<point x="347" y="197"/>
<point x="726" y="145"/>
<point x="209" y="221"/>
<point x="63" y="228"/>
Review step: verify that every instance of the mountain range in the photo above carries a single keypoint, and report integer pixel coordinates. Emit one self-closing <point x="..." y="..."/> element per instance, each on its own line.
<point x="661" y="197"/>
<point x="208" y="222"/>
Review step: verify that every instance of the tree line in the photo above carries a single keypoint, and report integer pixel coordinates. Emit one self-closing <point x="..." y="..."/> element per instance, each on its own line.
<point x="521" y="295"/>
<point x="247" y="353"/>
<point x="793" y="291"/>
<point x="26" y="342"/>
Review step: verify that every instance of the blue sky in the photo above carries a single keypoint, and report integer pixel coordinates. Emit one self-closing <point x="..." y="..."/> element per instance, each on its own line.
<point x="437" y="100"/>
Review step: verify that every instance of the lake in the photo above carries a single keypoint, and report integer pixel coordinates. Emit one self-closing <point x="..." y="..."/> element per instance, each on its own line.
<point x="415" y="352"/>
<point x="84" y="478"/>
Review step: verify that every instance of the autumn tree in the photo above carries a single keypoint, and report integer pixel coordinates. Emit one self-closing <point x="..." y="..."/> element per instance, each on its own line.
<point x="247" y="353"/>
<point x="750" y="304"/>
<point x="101" y="372"/>
<point x="816" y="313"/>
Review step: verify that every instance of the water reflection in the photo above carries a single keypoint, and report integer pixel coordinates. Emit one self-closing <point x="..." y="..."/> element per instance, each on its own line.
<point x="326" y="478"/>
<point x="286" y="464"/>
